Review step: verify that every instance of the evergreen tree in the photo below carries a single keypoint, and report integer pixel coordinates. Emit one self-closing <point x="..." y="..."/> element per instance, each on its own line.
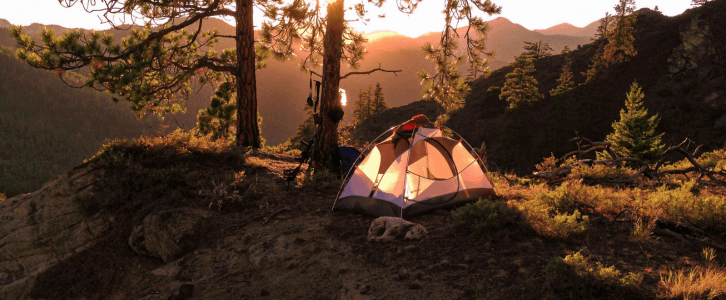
<point x="218" y="118"/>
<point x="362" y="109"/>
<point x="620" y="39"/>
<point x="520" y="87"/>
<point x="447" y="86"/>
<point x="538" y="49"/>
<point x="565" y="80"/>
<point x="618" y="31"/>
<point x="379" y="103"/>
<point x="606" y="25"/>
<point x="154" y="67"/>
<point x="565" y="50"/>
<point x="634" y="134"/>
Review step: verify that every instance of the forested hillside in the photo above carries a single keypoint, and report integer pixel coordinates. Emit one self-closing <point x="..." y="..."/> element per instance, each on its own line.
<point x="47" y="128"/>
<point x="680" y="64"/>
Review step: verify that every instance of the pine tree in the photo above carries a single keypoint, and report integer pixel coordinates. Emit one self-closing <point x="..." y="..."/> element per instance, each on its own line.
<point x="606" y="25"/>
<point x="618" y="31"/>
<point x="362" y="108"/>
<point x="538" y="49"/>
<point x="634" y="134"/>
<point x="166" y="51"/>
<point x="520" y="87"/>
<point x="565" y="80"/>
<point x="620" y="39"/>
<point x="340" y="42"/>
<point x="565" y="50"/>
<point x="378" y="100"/>
<point x="447" y="86"/>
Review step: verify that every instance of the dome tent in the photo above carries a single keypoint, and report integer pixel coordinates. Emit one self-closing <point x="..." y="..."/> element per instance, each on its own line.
<point x="414" y="170"/>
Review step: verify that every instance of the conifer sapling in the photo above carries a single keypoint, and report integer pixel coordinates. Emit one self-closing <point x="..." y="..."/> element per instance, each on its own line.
<point x="634" y="134"/>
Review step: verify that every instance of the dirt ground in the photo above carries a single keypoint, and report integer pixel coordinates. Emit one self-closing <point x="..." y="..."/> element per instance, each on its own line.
<point x="306" y="251"/>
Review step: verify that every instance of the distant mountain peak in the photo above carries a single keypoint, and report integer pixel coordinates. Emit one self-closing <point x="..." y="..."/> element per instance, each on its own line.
<point x="4" y="23"/>
<point x="377" y="35"/>
<point x="567" y="29"/>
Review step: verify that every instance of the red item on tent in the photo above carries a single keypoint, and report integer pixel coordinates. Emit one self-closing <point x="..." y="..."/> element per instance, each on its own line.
<point x="416" y="121"/>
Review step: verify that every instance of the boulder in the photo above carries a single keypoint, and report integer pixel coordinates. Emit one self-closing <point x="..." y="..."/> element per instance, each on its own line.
<point x="167" y="234"/>
<point x="696" y="49"/>
<point x="386" y="229"/>
<point x="43" y="228"/>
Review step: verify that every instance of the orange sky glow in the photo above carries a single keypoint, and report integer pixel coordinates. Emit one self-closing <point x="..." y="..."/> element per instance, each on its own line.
<point x="532" y="14"/>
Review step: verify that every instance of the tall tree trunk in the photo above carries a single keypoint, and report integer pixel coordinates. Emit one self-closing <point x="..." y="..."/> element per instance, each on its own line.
<point x="327" y="137"/>
<point x="248" y="133"/>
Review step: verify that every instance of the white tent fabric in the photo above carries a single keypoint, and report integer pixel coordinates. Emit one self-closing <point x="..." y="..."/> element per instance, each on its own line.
<point x="410" y="173"/>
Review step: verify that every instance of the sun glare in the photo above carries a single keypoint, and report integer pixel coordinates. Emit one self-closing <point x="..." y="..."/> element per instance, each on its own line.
<point x="343" y="98"/>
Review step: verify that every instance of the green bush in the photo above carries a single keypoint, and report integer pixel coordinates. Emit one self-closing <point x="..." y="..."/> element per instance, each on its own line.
<point x="573" y="195"/>
<point x="485" y="217"/>
<point x="681" y="205"/>
<point x="598" y="172"/>
<point x="590" y="273"/>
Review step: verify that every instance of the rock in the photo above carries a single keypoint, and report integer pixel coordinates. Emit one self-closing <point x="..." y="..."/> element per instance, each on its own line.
<point x="169" y="270"/>
<point x="721" y="122"/>
<point x="43" y="228"/>
<point x="184" y="292"/>
<point x="696" y="49"/>
<point x="365" y="290"/>
<point x="167" y="234"/>
<point x="386" y="229"/>
<point x="402" y="274"/>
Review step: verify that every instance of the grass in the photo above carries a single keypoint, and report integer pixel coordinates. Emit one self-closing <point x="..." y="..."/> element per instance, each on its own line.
<point x="699" y="282"/>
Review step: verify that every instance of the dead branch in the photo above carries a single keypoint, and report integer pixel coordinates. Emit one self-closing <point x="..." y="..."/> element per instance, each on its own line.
<point x="379" y="69"/>
<point x="585" y="146"/>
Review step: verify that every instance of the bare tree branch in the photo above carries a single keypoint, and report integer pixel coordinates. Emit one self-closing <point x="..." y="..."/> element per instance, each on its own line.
<point x="379" y="69"/>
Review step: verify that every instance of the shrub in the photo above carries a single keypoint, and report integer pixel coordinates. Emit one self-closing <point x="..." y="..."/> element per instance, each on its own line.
<point x="592" y="273"/>
<point x="548" y="165"/>
<point x="681" y="205"/>
<point x="2" y="197"/>
<point x="573" y="195"/>
<point x="485" y="217"/>
<point x="697" y="283"/>
<point x="599" y="172"/>
<point x="546" y="221"/>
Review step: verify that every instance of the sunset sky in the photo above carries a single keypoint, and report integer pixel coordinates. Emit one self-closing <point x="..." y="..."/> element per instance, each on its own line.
<point x="532" y="14"/>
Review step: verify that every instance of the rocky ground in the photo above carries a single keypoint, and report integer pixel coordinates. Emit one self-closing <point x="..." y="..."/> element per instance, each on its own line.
<point x="280" y="242"/>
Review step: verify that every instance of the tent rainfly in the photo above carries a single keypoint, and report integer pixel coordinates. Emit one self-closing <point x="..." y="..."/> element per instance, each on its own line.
<point x="413" y="171"/>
